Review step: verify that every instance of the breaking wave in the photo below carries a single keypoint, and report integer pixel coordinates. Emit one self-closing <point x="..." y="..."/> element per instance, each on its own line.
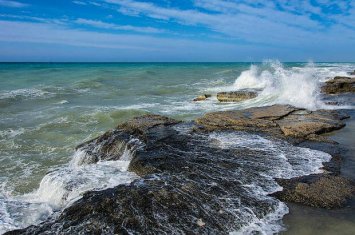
<point x="62" y="186"/>
<point x="295" y="86"/>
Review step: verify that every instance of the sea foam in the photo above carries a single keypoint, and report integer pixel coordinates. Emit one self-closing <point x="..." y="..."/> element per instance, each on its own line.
<point x="62" y="186"/>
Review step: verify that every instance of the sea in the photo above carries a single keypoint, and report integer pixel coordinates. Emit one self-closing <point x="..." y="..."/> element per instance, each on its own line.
<point x="47" y="109"/>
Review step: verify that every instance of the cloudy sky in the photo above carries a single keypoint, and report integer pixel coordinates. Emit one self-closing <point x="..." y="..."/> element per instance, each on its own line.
<point x="180" y="30"/>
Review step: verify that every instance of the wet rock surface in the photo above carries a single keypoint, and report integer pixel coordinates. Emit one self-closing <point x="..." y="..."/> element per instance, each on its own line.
<point x="278" y="120"/>
<point x="236" y="96"/>
<point x="339" y="85"/>
<point x="209" y="178"/>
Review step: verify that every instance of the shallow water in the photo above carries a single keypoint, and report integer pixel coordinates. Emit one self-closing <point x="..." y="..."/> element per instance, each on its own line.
<point x="48" y="109"/>
<point x="304" y="220"/>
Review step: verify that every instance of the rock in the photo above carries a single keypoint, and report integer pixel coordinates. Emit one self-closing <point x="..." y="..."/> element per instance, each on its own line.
<point x="200" y="223"/>
<point x="352" y="73"/>
<point x="339" y="85"/>
<point x="324" y="191"/>
<point x="332" y="103"/>
<point x="112" y="144"/>
<point x="190" y="183"/>
<point x="202" y="97"/>
<point x="341" y="78"/>
<point x="278" y="120"/>
<point x="236" y="96"/>
<point x="186" y="182"/>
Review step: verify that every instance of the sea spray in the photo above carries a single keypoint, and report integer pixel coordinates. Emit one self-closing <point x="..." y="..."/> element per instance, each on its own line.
<point x="280" y="85"/>
<point x="62" y="186"/>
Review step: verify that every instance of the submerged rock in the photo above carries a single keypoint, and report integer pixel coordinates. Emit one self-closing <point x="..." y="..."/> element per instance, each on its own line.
<point x="214" y="181"/>
<point x="339" y="85"/>
<point x="202" y="97"/>
<point x="352" y="73"/>
<point x="236" y="96"/>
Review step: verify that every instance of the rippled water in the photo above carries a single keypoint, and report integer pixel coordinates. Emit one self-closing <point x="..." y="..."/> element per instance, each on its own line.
<point x="48" y="109"/>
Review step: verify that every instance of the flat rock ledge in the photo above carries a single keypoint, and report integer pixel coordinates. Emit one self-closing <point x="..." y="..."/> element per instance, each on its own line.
<point x="339" y="85"/>
<point x="190" y="185"/>
<point x="278" y="120"/>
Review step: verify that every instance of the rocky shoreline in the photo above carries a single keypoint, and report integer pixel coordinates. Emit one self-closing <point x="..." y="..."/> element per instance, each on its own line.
<point x="184" y="179"/>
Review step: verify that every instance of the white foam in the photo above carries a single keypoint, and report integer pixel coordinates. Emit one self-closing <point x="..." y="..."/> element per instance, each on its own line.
<point x="276" y="84"/>
<point x="62" y="102"/>
<point x="291" y="161"/>
<point x="282" y="160"/>
<point x="27" y="93"/>
<point x="295" y="86"/>
<point x="61" y="187"/>
<point x="11" y="133"/>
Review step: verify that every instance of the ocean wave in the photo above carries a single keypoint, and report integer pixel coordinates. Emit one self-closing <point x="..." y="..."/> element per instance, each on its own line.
<point x="280" y="84"/>
<point x="30" y="93"/>
<point x="61" y="187"/>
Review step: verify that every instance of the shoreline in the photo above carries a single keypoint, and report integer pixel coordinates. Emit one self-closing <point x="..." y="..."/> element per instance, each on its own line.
<point x="155" y="126"/>
<point x="282" y="125"/>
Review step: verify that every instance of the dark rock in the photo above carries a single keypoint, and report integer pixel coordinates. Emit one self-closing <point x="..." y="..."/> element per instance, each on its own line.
<point x="339" y="85"/>
<point x="352" y="73"/>
<point x="332" y="103"/>
<point x="190" y="183"/>
<point x="112" y="144"/>
<point x="324" y="191"/>
<point x="236" y="96"/>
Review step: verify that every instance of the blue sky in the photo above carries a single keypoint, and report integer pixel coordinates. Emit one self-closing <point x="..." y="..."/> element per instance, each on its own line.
<point x="180" y="30"/>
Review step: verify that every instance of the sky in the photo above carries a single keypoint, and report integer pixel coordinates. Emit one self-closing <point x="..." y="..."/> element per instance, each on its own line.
<point x="177" y="31"/>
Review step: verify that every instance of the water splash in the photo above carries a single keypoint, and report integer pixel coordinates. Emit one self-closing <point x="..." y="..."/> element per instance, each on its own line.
<point x="60" y="187"/>
<point x="280" y="85"/>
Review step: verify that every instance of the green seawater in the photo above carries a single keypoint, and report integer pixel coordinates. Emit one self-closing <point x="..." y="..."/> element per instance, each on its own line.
<point x="48" y="109"/>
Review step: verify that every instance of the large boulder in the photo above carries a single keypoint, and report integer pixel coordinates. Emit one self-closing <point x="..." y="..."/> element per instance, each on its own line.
<point x="236" y="96"/>
<point x="339" y="85"/>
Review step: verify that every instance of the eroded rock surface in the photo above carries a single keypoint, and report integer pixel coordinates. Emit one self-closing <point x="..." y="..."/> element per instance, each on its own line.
<point x="236" y="96"/>
<point x="339" y="85"/>
<point x="278" y="120"/>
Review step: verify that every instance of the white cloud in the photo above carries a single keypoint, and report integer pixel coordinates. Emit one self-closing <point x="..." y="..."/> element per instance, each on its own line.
<point x="13" y="4"/>
<point x="80" y="3"/>
<point x="251" y="21"/>
<point x="104" y="25"/>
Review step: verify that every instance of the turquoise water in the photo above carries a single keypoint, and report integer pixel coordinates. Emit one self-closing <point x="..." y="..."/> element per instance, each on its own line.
<point x="47" y="109"/>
